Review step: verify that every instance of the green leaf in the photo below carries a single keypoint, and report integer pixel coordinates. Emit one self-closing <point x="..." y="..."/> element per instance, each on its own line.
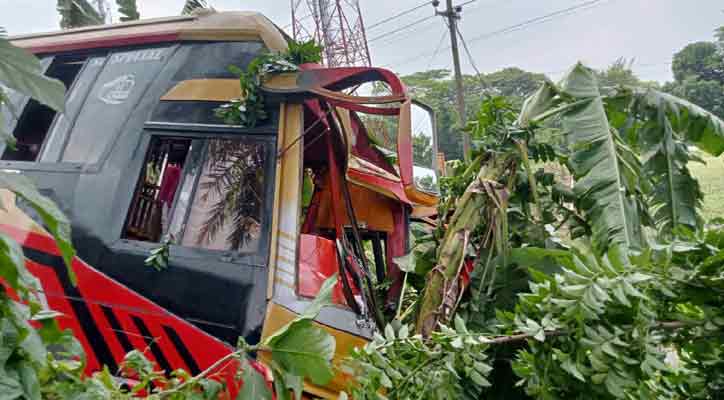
<point x="460" y="324"/>
<point x="323" y="298"/>
<point x="305" y="350"/>
<point x="128" y="10"/>
<point x="295" y="384"/>
<point x="537" y="104"/>
<point x="479" y="379"/>
<point x="569" y="366"/>
<point x="12" y="260"/>
<point x="615" y="386"/>
<point x="404" y="331"/>
<point x="78" y="13"/>
<point x="21" y="71"/>
<point x="254" y="386"/>
<point x="698" y="126"/>
<point x="598" y="163"/>
<point x="53" y="219"/>
<point x="676" y="195"/>
<point x="389" y="333"/>
<point x="620" y="295"/>
<point x="307" y="190"/>
<point x="192" y="5"/>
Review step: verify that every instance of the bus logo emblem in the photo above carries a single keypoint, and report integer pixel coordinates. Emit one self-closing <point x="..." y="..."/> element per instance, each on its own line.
<point x="117" y="91"/>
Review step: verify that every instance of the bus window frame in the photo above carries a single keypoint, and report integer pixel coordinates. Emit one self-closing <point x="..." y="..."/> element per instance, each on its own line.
<point x="204" y="132"/>
<point x="19" y="109"/>
<point x="173" y="61"/>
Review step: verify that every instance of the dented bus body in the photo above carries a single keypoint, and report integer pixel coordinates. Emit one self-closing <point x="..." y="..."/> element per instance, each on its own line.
<point x="257" y="216"/>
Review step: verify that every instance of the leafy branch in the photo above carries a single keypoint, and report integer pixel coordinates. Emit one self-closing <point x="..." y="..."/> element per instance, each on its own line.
<point x="248" y="110"/>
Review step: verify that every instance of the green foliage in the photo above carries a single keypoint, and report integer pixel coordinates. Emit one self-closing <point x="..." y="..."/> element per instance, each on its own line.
<point x="451" y="364"/>
<point x="436" y="88"/>
<point x="192" y="5"/>
<point x="701" y="60"/>
<point x="699" y="75"/>
<point x="28" y="370"/>
<point x="128" y="10"/>
<point x="248" y="110"/>
<point x="304" y="52"/>
<point x="78" y="13"/>
<point x="632" y="309"/>
<point x="21" y="71"/>
<point x="158" y="259"/>
<point x="620" y="73"/>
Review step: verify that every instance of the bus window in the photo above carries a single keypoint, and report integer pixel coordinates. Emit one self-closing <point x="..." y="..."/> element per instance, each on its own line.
<point x="203" y="193"/>
<point x="36" y="119"/>
<point x="115" y="94"/>
<point x="74" y="101"/>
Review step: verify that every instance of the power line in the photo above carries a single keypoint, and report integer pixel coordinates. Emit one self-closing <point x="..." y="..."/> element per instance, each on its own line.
<point x="437" y="48"/>
<point x="402" y="28"/>
<point x="401" y="14"/>
<point x="467" y="51"/>
<point x="413" y="24"/>
<point x="536" y="20"/>
<point x="399" y="38"/>
<point x="483" y="85"/>
<point x="515" y="27"/>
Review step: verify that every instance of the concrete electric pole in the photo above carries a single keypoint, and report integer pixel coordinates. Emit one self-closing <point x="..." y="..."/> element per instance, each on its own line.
<point x="452" y="14"/>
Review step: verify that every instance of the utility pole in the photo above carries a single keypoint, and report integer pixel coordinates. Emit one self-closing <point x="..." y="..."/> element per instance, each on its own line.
<point x="452" y="14"/>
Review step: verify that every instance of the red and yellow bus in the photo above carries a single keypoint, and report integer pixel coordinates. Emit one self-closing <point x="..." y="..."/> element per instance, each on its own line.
<point x="258" y="217"/>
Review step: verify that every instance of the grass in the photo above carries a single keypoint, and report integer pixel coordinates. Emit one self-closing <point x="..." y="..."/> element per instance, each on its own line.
<point x="711" y="180"/>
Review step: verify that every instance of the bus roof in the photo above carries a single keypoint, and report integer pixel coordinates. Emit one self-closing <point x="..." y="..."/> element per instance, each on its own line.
<point x="202" y="26"/>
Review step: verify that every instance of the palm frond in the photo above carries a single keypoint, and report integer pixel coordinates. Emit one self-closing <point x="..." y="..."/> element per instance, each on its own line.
<point x="78" y="13"/>
<point x="192" y="5"/>
<point x="128" y="10"/>
<point x="235" y="178"/>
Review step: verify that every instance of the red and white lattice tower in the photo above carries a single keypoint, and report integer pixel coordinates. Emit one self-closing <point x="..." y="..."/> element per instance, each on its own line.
<point x="335" y="24"/>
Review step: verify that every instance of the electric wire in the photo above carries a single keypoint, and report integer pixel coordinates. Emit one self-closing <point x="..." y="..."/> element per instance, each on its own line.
<point x="437" y="48"/>
<point x="401" y="14"/>
<point x="417" y="22"/>
<point x="402" y="28"/>
<point x="537" y="20"/>
<point x="399" y="37"/>
<point x="484" y="86"/>
<point x="515" y="27"/>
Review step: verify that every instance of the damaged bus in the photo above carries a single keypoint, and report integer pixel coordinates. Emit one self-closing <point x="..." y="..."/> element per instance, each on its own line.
<point x="259" y="217"/>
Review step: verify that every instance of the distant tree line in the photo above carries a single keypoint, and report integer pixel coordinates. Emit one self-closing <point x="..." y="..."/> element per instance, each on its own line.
<point x="698" y="77"/>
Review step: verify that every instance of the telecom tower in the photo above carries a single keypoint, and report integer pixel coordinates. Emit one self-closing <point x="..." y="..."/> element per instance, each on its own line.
<point x="335" y="24"/>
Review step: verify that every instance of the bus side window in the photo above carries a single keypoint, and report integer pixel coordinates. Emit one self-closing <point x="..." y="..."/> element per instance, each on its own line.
<point x="35" y="120"/>
<point x="202" y="193"/>
<point x="115" y="95"/>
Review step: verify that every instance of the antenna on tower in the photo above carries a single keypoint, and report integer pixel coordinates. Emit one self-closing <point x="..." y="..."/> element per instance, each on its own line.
<point x="335" y="24"/>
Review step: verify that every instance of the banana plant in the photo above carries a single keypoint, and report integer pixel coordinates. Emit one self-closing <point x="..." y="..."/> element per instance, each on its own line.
<point x="629" y="154"/>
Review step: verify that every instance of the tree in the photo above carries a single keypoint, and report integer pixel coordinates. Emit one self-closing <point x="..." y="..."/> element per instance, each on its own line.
<point x="128" y="10"/>
<point x="701" y="60"/>
<point x="436" y="88"/>
<point x="699" y="74"/>
<point x="582" y="292"/>
<point x="78" y="13"/>
<point x="619" y="73"/>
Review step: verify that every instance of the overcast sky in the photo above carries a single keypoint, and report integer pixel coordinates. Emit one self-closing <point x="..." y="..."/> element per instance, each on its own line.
<point x="649" y="31"/>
